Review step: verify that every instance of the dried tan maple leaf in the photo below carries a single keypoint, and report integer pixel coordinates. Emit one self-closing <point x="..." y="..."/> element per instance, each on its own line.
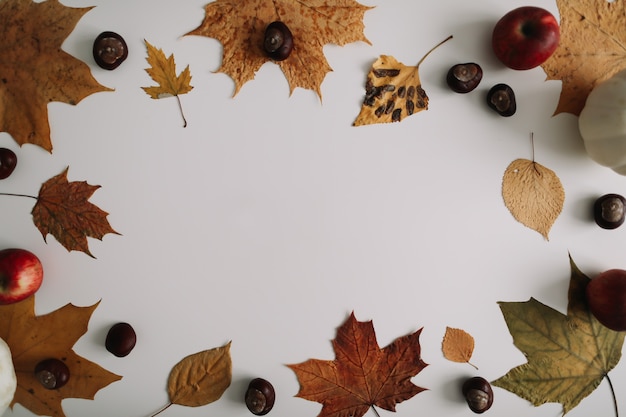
<point x="63" y="210"/>
<point x="458" y="346"/>
<point x="568" y="355"/>
<point x="533" y="194"/>
<point x="592" y="49"/>
<point x="393" y="91"/>
<point x="35" y="71"/>
<point x="362" y="375"/>
<point x="163" y="71"/>
<point x="34" y="338"/>
<point x="240" y="27"/>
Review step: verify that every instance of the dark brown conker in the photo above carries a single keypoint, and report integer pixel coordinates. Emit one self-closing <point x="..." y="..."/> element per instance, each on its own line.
<point x="8" y="161"/>
<point x="478" y="394"/>
<point x="52" y="373"/>
<point x="121" y="339"/>
<point x="278" y="41"/>
<point x="260" y="396"/>
<point x="463" y="78"/>
<point x="609" y="211"/>
<point x="109" y="50"/>
<point x="501" y="99"/>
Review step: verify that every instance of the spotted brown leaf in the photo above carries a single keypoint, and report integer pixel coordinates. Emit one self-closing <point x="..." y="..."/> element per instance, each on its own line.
<point x="393" y="91"/>
<point x="240" y="27"/>
<point x="63" y="210"/>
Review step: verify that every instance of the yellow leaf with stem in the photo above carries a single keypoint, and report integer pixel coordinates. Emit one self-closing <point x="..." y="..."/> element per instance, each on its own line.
<point x="163" y="71"/>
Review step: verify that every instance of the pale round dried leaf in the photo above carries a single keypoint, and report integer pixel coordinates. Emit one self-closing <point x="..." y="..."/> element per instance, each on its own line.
<point x="458" y="345"/>
<point x="533" y="194"/>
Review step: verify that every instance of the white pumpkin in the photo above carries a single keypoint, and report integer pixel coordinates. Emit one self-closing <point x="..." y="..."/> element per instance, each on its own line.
<point x="602" y="123"/>
<point x="8" y="380"/>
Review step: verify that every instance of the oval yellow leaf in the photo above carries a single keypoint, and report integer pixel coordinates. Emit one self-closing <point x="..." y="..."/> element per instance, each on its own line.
<point x="533" y="194"/>
<point x="458" y="345"/>
<point x="201" y="378"/>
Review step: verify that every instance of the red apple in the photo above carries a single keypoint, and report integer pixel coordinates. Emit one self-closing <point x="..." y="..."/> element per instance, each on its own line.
<point x="525" y="37"/>
<point x="21" y="274"/>
<point x="606" y="298"/>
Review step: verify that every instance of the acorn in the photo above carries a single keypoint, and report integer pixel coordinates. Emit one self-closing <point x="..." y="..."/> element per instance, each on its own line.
<point x="260" y="396"/>
<point x="478" y="394"/>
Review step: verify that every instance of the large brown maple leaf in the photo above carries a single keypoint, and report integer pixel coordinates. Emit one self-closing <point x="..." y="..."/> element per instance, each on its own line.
<point x="362" y="375"/>
<point x="592" y="49"/>
<point x="240" y="27"/>
<point x="35" y="338"/>
<point x="34" y="71"/>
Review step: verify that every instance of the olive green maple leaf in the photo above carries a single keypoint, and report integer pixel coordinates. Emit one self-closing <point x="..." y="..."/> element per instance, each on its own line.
<point x="568" y="355"/>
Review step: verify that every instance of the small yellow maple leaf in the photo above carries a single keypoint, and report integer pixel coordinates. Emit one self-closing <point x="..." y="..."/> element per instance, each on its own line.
<point x="163" y="71"/>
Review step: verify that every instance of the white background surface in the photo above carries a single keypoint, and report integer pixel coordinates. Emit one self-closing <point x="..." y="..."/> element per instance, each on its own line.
<point x="270" y="218"/>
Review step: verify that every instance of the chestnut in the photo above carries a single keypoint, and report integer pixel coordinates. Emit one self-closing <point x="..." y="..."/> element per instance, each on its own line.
<point x="8" y="161"/>
<point x="478" y="394"/>
<point x="260" y="396"/>
<point x="52" y="373"/>
<point x="278" y="41"/>
<point x="109" y="50"/>
<point x="463" y="78"/>
<point x="501" y="99"/>
<point x="121" y="339"/>
<point x="609" y="211"/>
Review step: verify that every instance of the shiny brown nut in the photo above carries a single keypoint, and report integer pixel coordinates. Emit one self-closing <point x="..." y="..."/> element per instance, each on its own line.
<point x="109" y="50"/>
<point x="52" y="373"/>
<point x="478" y="394"/>
<point x="121" y="339"/>
<point x="8" y="161"/>
<point x="463" y="78"/>
<point x="609" y="211"/>
<point x="278" y="41"/>
<point x="260" y="397"/>
<point x="501" y="99"/>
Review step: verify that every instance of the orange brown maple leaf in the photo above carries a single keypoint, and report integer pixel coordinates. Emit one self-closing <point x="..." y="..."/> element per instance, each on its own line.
<point x="63" y="210"/>
<point x="592" y="49"/>
<point x="362" y="374"/>
<point x="240" y="27"/>
<point x="34" y="338"/>
<point x="35" y="71"/>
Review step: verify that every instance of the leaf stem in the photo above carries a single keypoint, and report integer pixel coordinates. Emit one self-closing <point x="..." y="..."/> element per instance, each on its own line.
<point x="165" y="407"/>
<point x="20" y="195"/>
<point x="180" y="107"/>
<point x="613" y="394"/>
<point x="433" y="48"/>
<point x="375" y="411"/>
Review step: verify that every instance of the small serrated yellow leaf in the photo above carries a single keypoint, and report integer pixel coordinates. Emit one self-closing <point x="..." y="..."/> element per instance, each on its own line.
<point x="458" y="345"/>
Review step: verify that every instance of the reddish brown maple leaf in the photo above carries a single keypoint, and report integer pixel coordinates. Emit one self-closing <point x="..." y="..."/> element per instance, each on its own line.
<point x="63" y="210"/>
<point x="591" y="50"/>
<point x="34" y="71"/>
<point x="35" y="338"/>
<point x="362" y="375"/>
<point x="240" y="27"/>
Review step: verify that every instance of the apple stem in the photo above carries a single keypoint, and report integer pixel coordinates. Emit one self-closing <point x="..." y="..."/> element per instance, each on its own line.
<point x="613" y="394"/>
<point x="20" y="195"/>
<point x="165" y="407"/>
<point x="433" y="48"/>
